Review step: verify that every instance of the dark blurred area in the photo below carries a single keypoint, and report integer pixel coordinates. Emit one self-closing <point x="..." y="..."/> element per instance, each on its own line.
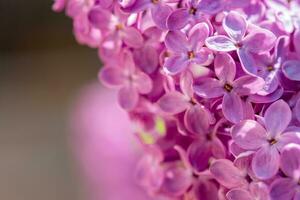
<point x="42" y="68"/>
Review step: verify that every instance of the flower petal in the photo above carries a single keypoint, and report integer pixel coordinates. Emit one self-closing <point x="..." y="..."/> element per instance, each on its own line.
<point x="282" y="189"/>
<point x="197" y="35"/>
<point x="138" y="6"/>
<point x="235" y="26"/>
<point x="291" y="69"/>
<point x="199" y="154"/>
<point x="143" y="83"/>
<point x="220" y="43"/>
<point x="173" y="102"/>
<point x="239" y="194"/>
<point x="226" y="173"/>
<point x="146" y="58"/>
<point x="128" y="97"/>
<point x="297" y="110"/>
<point x="296" y="40"/>
<point x="247" y="84"/>
<point x="99" y="17"/>
<point x="176" y="41"/>
<point x="209" y="88"/>
<point x="160" y="14"/>
<point x="277" y="117"/>
<point x="225" y="67"/>
<point x="175" y="64"/>
<point x="265" y="163"/>
<point x="132" y="37"/>
<point x="259" y="190"/>
<point x="206" y="190"/>
<point x="247" y="61"/>
<point x="290" y="161"/>
<point x="210" y="6"/>
<point x="259" y="41"/>
<point x="112" y="76"/>
<point x="192" y="119"/>
<point x="178" y="19"/>
<point x="232" y="107"/>
<point x="249" y="134"/>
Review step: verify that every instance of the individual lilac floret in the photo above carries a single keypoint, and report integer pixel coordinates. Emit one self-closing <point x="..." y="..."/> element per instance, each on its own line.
<point x="266" y="141"/>
<point x="288" y="188"/>
<point x="232" y="90"/>
<point x="193" y="12"/>
<point x="160" y="10"/>
<point x="186" y="50"/>
<point x="127" y="77"/>
<point x="257" y="41"/>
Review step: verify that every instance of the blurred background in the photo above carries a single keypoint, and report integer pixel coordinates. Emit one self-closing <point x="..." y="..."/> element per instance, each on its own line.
<point x="42" y="68"/>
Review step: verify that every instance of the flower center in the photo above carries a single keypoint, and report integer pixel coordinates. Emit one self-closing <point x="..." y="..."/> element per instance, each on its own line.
<point x="228" y="87"/>
<point x="119" y="27"/>
<point x="191" y="55"/>
<point x="193" y="101"/>
<point x="193" y="11"/>
<point x="270" y="68"/>
<point x="155" y="1"/>
<point x="272" y="141"/>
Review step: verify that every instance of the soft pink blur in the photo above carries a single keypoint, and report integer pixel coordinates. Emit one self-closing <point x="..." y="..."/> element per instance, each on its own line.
<point x="105" y="146"/>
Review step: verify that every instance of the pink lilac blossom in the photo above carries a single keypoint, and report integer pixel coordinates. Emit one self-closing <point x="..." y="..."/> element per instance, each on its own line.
<point x="212" y="87"/>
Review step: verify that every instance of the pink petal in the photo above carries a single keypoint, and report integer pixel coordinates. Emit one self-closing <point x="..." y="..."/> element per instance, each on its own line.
<point x="211" y="6"/>
<point x="178" y="19"/>
<point x="209" y="88"/>
<point x="290" y="161"/>
<point x="287" y="138"/>
<point x="160" y="14"/>
<point x="249" y="135"/>
<point x="247" y="84"/>
<point x="296" y="40"/>
<point x="203" y="56"/>
<point x="218" y="149"/>
<point x="247" y="61"/>
<point x="259" y="190"/>
<point x="175" y="64"/>
<point x="206" y="190"/>
<point x="128" y="97"/>
<point x="277" y="118"/>
<point x="265" y="163"/>
<point x="235" y="26"/>
<point x="132" y="37"/>
<point x="199" y="154"/>
<point x="173" y="102"/>
<point x="99" y="17"/>
<point x="192" y="122"/>
<point x="291" y="69"/>
<point x="282" y="189"/>
<point x="186" y="83"/>
<point x="146" y="58"/>
<point x="297" y="110"/>
<point x="268" y="98"/>
<point x="226" y="173"/>
<point x="239" y="194"/>
<point x="198" y="34"/>
<point x="225" y="67"/>
<point x="143" y="83"/>
<point x="176" y="41"/>
<point x="232" y="107"/>
<point x="112" y="76"/>
<point x="259" y="41"/>
<point x="137" y="6"/>
<point x="220" y="43"/>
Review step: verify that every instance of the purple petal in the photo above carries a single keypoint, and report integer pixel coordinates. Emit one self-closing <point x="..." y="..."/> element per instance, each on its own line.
<point x="176" y="41"/>
<point x="138" y="6"/>
<point x="259" y="41"/>
<point x="291" y="69"/>
<point x="197" y="35"/>
<point x="99" y="18"/>
<point x="268" y="98"/>
<point x="239" y="194"/>
<point x="232" y="107"/>
<point x="192" y="122"/>
<point x="225" y="67"/>
<point x="143" y="83"/>
<point x="173" y="102"/>
<point x="247" y="61"/>
<point x="235" y="26"/>
<point x="277" y="118"/>
<point x="199" y="154"/>
<point x="178" y="19"/>
<point x="246" y="85"/>
<point x="175" y="64"/>
<point x="296" y="40"/>
<point x="209" y="88"/>
<point x="128" y="97"/>
<point x="226" y="173"/>
<point x="287" y="138"/>
<point x="218" y="149"/>
<point x="259" y="190"/>
<point x="160" y="14"/>
<point x="220" y="43"/>
<point x="249" y="135"/>
<point x="186" y="83"/>
<point x="206" y="190"/>
<point x="132" y="37"/>
<point x="112" y="76"/>
<point x="297" y="110"/>
<point x="203" y="56"/>
<point x="211" y="6"/>
<point x="265" y="163"/>
<point x="146" y="58"/>
<point x="290" y="161"/>
<point x="282" y="189"/>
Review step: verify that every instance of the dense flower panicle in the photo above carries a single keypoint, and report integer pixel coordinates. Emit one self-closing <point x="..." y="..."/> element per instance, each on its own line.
<point x="212" y="86"/>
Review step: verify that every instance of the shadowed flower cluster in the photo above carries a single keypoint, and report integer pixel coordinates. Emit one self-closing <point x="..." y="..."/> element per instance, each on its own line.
<point x="212" y="87"/>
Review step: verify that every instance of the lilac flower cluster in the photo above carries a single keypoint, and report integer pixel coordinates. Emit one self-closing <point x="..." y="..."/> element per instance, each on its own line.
<point x="212" y="87"/>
